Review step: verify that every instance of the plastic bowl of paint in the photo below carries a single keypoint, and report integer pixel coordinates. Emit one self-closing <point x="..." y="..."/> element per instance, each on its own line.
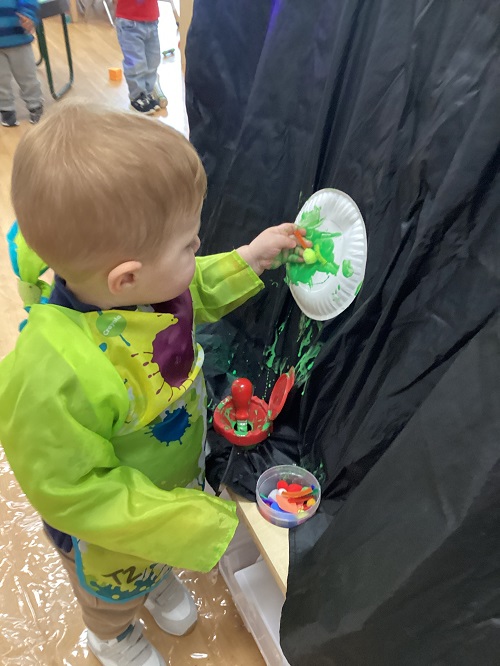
<point x="293" y="476"/>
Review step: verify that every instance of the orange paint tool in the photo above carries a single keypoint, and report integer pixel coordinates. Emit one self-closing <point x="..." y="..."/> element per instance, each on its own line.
<point x="300" y="239"/>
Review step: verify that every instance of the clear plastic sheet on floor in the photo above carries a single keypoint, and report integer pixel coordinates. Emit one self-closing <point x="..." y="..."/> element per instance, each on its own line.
<point x="40" y="619"/>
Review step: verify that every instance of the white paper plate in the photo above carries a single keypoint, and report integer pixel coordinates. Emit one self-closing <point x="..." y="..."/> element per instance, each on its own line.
<point x="327" y="295"/>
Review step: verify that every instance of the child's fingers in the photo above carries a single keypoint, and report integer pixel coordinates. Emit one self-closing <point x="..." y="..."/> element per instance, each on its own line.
<point x="295" y="258"/>
<point x="286" y="228"/>
<point x="285" y="242"/>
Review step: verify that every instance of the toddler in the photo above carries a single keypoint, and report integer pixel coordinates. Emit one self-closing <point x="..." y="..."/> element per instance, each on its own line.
<point x="137" y="30"/>
<point x="17" y="25"/>
<point x="102" y="403"/>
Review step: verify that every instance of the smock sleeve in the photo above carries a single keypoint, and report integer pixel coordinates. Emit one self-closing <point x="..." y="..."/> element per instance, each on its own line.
<point x="221" y="283"/>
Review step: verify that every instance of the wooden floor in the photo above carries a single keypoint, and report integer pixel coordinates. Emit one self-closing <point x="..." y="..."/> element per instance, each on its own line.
<point x="40" y="621"/>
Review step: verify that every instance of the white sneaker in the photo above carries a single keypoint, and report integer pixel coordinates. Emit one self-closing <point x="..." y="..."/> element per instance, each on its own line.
<point x="172" y="607"/>
<point x="132" y="649"/>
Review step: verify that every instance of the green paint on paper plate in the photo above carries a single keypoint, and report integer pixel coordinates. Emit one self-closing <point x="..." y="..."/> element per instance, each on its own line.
<point x="347" y="269"/>
<point x="323" y="246"/>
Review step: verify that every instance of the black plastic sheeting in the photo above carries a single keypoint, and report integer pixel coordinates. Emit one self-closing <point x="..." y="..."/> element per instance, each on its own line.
<point x="397" y="104"/>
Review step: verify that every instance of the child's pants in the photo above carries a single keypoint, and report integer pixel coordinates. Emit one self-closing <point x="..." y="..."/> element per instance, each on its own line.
<point x="140" y="46"/>
<point x="19" y="61"/>
<point x="106" y="620"/>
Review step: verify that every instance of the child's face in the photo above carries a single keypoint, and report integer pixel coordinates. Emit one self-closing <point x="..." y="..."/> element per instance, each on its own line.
<point x="171" y="274"/>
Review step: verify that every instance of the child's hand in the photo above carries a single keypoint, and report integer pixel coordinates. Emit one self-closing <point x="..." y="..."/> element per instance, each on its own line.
<point x="273" y="248"/>
<point x="26" y="24"/>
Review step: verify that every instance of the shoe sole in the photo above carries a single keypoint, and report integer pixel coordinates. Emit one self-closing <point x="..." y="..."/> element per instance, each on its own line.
<point x="16" y="124"/>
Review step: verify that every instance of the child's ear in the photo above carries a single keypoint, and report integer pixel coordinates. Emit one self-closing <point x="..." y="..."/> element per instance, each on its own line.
<point x="123" y="277"/>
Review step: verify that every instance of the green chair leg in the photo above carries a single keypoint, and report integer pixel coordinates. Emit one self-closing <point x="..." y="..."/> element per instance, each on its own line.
<point x="44" y="53"/>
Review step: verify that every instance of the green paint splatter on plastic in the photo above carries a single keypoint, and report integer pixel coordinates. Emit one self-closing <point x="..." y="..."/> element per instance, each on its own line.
<point x="305" y="364"/>
<point x="358" y="288"/>
<point x="270" y="352"/>
<point x="307" y="462"/>
<point x="308" y="330"/>
<point x="347" y="269"/>
<point x="305" y="334"/>
<point x="308" y="350"/>
<point x="210" y="411"/>
<point x="323" y="246"/>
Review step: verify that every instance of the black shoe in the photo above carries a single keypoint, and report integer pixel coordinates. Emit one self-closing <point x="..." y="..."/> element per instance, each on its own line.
<point x="142" y="105"/>
<point x="9" y="118"/>
<point x="155" y="103"/>
<point x="35" y="114"/>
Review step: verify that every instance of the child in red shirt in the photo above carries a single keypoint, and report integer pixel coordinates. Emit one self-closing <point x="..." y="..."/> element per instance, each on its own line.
<point x="137" y="30"/>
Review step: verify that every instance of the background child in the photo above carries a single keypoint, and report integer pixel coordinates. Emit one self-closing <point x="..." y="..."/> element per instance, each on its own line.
<point x="137" y="30"/>
<point x="102" y="403"/>
<point x="17" y="25"/>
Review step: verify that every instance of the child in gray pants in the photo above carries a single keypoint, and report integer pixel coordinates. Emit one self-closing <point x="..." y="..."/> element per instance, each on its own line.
<point x="17" y="25"/>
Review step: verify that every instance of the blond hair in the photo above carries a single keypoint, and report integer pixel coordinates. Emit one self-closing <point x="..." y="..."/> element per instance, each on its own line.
<point x="92" y="187"/>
